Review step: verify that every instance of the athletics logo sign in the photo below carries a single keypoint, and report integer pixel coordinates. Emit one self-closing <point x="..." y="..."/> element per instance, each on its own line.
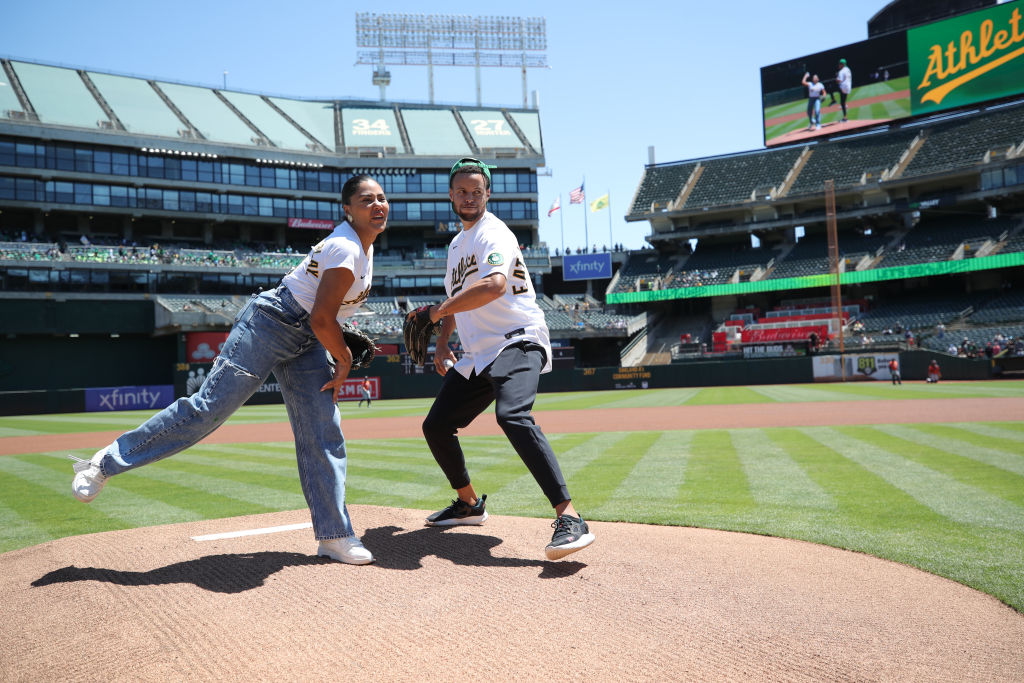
<point x="966" y="59"/>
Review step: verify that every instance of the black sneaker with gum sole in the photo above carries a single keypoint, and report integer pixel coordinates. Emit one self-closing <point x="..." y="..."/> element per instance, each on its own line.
<point x="460" y="513"/>
<point x="571" y="534"/>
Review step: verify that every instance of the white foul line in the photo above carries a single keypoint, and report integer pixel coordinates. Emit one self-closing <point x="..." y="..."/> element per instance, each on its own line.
<point x="253" y="532"/>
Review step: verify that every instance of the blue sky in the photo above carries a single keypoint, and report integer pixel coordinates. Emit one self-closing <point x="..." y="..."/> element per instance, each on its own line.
<point x="683" y="77"/>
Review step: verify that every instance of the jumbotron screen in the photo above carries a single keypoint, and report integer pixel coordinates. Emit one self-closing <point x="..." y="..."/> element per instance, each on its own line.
<point x="947" y="64"/>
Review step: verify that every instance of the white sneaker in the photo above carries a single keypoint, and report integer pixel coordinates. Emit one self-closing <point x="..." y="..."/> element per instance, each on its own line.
<point x="349" y="550"/>
<point x="89" y="478"/>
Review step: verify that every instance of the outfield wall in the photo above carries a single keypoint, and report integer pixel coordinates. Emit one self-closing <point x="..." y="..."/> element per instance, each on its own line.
<point x="396" y="379"/>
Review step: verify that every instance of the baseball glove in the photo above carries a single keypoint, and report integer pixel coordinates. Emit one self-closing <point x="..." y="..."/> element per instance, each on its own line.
<point x="417" y="330"/>
<point x="363" y="348"/>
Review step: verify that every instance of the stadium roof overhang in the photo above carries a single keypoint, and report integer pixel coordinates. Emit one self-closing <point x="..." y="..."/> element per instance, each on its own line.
<point x="210" y="149"/>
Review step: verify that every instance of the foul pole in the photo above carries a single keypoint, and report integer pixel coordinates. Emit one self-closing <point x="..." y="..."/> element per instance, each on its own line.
<point x="833" y="261"/>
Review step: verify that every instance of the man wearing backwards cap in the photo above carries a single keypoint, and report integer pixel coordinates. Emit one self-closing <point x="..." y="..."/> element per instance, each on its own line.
<point x="844" y="80"/>
<point x="492" y="302"/>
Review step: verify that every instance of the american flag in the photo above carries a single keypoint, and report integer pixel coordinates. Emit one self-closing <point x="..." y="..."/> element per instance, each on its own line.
<point x="576" y="196"/>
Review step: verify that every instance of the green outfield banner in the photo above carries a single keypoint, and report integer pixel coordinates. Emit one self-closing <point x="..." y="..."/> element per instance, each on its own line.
<point x="967" y="59"/>
<point x="995" y="261"/>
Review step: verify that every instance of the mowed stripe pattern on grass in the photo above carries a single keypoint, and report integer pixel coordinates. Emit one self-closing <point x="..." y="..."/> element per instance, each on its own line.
<point x="947" y="498"/>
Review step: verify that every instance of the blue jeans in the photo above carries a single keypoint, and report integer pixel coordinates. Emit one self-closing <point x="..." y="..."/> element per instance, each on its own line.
<point x="270" y="334"/>
<point x="814" y="110"/>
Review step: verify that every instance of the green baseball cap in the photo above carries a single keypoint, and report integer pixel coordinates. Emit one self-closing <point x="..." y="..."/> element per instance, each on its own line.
<point x="470" y="161"/>
<point x="842" y="61"/>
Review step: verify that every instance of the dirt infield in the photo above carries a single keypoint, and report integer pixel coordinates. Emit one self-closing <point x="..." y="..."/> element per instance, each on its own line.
<point x="643" y="603"/>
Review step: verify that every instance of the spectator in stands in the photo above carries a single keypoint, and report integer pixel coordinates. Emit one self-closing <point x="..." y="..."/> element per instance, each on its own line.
<point x="934" y="373"/>
<point x="288" y="331"/>
<point x="953" y="350"/>
<point x="815" y="94"/>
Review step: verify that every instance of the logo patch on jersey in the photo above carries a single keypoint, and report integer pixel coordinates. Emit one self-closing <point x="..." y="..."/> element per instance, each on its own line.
<point x="464" y="269"/>
<point x="495" y="259"/>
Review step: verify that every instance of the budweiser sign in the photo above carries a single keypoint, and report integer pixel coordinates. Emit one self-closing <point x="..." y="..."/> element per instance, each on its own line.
<point x="311" y="223"/>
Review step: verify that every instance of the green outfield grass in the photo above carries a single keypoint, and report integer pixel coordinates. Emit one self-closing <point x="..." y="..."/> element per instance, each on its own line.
<point x="891" y="109"/>
<point x="946" y="498"/>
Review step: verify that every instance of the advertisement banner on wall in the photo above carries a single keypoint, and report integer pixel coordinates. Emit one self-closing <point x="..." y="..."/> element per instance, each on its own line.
<point x="153" y="397"/>
<point x="586" y="266"/>
<point x="787" y="350"/>
<point x="856" y="367"/>
<point x="190" y="376"/>
<point x="311" y="223"/>
<point x="203" y="347"/>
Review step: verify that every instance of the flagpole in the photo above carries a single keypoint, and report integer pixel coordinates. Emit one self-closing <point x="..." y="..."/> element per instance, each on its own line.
<point x="561" y="220"/>
<point x="611" y="243"/>
<point x="586" y="230"/>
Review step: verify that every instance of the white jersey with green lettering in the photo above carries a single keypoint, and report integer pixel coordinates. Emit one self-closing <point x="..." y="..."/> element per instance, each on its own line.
<point x="490" y="247"/>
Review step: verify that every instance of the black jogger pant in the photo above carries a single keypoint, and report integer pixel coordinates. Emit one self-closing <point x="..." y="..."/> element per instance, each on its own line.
<point x="511" y="383"/>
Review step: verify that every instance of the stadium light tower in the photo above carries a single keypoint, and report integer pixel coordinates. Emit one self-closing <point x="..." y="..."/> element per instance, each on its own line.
<point x="449" y="40"/>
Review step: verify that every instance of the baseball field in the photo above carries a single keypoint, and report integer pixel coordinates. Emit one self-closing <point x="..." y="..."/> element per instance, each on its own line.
<point x="927" y="477"/>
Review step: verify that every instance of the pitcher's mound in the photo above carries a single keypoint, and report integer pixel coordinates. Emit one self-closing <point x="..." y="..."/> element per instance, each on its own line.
<point x="643" y="602"/>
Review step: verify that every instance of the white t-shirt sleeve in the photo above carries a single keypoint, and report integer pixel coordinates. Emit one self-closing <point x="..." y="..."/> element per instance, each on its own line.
<point x="338" y="254"/>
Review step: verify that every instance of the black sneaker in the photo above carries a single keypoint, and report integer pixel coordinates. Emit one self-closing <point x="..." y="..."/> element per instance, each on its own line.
<point x="571" y="534"/>
<point x="460" y="512"/>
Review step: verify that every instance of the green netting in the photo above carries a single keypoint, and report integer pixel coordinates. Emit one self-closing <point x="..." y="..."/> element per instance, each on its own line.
<point x="137" y="105"/>
<point x="434" y="132"/>
<point x="59" y="95"/>
<point x="529" y="123"/>
<point x="280" y="132"/>
<point x="207" y="113"/>
<point x="489" y="128"/>
<point x="316" y="117"/>
<point x="8" y="98"/>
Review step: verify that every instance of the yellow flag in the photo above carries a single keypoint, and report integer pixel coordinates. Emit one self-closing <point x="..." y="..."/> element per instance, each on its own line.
<point x="599" y="203"/>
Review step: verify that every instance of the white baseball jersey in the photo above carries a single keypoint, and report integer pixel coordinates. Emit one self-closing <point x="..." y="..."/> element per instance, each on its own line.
<point x="490" y="247"/>
<point x="815" y="90"/>
<point x="340" y="249"/>
<point x="845" y="79"/>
